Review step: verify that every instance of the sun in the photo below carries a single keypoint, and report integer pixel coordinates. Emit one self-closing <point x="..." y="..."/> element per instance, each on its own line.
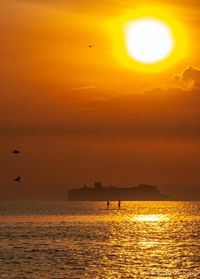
<point x="149" y="40"/>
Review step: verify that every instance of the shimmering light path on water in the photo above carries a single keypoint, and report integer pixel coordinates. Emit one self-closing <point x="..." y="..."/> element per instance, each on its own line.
<point x="84" y="240"/>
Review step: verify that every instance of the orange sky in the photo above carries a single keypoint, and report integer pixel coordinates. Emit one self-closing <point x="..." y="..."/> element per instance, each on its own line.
<point x="80" y="113"/>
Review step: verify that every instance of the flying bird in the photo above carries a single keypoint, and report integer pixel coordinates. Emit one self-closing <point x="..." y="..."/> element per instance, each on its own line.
<point x="16" y="151"/>
<point x="90" y="46"/>
<point x="17" y="179"/>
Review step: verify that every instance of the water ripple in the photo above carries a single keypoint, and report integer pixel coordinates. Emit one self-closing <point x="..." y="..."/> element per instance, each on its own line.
<point x="83" y="240"/>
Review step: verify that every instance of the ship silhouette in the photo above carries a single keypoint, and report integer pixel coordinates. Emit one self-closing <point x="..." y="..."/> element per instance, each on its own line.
<point x="142" y="192"/>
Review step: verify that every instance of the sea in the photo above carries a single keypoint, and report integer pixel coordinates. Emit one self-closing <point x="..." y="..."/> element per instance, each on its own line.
<point x="76" y="240"/>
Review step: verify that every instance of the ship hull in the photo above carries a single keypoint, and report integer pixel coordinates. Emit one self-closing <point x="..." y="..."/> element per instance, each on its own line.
<point x="114" y="195"/>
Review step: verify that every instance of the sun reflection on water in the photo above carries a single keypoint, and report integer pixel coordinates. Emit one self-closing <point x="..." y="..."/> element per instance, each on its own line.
<point x="151" y="217"/>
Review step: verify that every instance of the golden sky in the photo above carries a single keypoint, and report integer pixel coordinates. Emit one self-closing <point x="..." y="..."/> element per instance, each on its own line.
<point x="84" y="113"/>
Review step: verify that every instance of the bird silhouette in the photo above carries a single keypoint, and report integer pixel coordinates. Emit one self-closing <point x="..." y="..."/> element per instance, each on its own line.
<point x="16" y="151"/>
<point x="90" y="46"/>
<point x="17" y="179"/>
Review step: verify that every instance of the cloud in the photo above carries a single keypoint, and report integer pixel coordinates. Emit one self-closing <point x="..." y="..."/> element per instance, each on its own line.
<point x="192" y="75"/>
<point x="157" y="115"/>
<point x="189" y="79"/>
<point x="171" y="113"/>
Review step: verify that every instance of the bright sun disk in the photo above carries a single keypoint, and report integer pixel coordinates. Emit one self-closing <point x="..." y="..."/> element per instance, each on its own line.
<point x="149" y="40"/>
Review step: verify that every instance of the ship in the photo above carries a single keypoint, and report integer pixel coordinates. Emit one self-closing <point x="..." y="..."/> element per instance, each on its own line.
<point x="142" y="192"/>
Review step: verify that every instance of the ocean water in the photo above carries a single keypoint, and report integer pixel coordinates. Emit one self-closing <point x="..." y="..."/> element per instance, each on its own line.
<point x="84" y="240"/>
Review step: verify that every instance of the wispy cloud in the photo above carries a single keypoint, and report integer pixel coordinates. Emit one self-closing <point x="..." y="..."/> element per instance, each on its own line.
<point x="87" y="87"/>
<point x="80" y="5"/>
